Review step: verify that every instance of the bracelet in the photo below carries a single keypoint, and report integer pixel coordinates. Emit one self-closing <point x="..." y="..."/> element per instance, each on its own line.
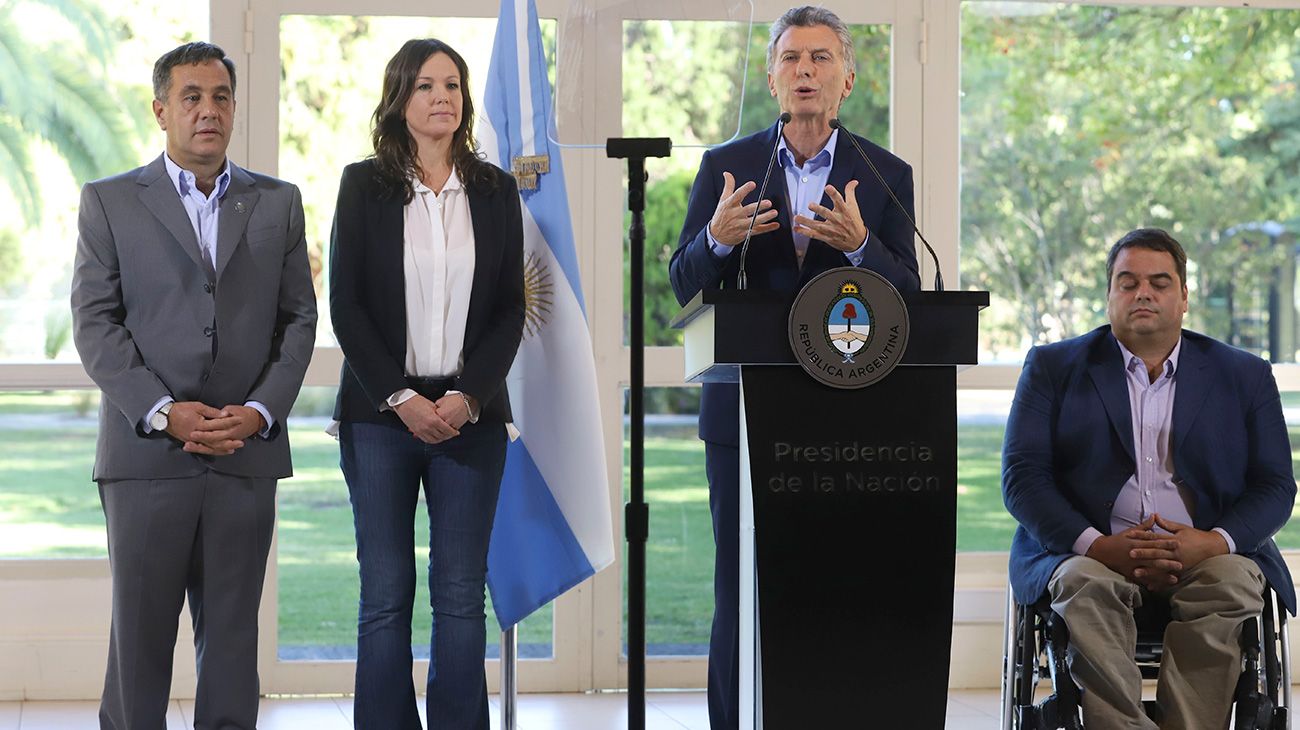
<point x="469" y="410"/>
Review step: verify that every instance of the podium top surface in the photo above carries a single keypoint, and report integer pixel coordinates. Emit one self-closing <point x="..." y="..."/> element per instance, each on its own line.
<point x="768" y="298"/>
<point x="727" y="328"/>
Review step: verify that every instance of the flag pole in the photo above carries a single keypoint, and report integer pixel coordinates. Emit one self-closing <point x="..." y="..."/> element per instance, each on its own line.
<point x="636" y="514"/>
<point x="509" y="677"/>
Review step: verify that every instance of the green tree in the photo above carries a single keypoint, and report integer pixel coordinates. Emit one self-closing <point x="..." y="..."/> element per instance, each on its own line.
<point x="866" y="111"/>
<point x="679" y="80"/>
<point x="59" y="93"/>
<point x="1080" y="123"/>
<point x="665" y="209"/>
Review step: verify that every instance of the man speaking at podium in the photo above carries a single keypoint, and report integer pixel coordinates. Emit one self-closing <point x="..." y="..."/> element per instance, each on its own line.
<point x="823" y="209"/>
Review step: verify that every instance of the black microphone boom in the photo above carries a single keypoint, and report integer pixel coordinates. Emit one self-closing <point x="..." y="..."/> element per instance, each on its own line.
<point x="781" y="121"/>
<point x="938" y="273"/>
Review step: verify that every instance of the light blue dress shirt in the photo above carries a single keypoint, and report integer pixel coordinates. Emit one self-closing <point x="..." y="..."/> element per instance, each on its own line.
<point x="204" y="212"/>
<point x="1153" y="488"/>
<point x="804" y="184"/>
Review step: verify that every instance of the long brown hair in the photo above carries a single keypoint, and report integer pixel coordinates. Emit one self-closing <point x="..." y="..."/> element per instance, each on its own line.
<point x="395" y="148"/>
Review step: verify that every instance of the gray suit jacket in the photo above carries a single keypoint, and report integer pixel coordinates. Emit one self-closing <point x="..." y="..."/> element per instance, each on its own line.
<point x="152" y="318"/>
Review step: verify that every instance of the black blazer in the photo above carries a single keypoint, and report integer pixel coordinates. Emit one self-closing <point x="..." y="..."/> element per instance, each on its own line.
<point x="368" y="296"/>
<point x="772" y="264"/>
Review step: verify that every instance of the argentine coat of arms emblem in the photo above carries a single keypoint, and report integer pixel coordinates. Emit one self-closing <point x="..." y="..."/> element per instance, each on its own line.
<point x="848" y="327"/>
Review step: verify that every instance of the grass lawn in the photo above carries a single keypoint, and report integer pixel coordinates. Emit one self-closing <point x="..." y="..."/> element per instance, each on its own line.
<point x="64" y="403"/>
<point x="319" y="587"/>
<point x="49" y="508"/>
<point x="679" y="553"/>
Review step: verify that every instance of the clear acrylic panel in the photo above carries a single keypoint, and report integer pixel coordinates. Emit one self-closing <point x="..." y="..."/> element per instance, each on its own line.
<point x="669" y="66"/>
<point x="661" y="99"/>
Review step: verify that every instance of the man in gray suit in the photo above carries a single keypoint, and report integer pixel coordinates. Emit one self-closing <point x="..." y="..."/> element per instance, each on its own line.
<point x="194" y="313"/>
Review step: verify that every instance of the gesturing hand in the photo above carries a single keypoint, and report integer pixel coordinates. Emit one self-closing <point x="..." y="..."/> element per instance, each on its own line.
<point x="731" y="217"/>
<point x="842" y="226"/>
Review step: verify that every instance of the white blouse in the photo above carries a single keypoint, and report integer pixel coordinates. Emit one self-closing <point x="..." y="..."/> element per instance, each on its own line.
<point x="438" y="261"/>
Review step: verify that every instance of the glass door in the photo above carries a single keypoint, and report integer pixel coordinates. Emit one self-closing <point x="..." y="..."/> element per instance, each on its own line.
<point x="662" y="52"/>
<point x="314" y="76"/>
<point x="317" y="70"/>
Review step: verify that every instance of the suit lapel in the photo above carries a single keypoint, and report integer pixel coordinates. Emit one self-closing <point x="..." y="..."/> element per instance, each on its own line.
<point x="1106" y="370"/>
<point x="843" y="167"/>
<point x="485" y="268"/>
<point x="782" y="239"/>
<point x="236" y="210"/>
<point x="1193" y="383"/>
<point x="777" y="247"/>
<point x="160" y="198"/>
<point x="390" y="240"/>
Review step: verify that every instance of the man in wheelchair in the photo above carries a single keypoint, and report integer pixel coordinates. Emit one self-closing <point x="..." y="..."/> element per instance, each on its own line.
<point x="1146" y="462"/>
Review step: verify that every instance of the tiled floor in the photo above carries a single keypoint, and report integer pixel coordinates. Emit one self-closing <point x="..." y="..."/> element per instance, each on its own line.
<point x="664" y="711"/>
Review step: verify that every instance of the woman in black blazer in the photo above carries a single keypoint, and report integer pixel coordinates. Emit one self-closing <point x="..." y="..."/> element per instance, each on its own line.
<point x="426" y="296"/>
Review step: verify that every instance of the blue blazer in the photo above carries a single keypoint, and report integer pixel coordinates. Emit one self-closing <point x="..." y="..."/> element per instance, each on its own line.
<point x="771" y="262"/>
<point x="1069" y="450"/>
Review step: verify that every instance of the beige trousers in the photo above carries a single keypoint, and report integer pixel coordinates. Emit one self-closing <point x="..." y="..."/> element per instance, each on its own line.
<point x="1202" y="654"/>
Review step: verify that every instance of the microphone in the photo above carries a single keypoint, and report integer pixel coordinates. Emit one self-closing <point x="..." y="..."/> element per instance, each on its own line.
<point x="938" y="274"/>
<point x="781" y="121"/>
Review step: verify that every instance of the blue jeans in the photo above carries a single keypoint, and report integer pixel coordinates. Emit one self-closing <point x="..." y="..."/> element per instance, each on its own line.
<point x="384" y="467"/>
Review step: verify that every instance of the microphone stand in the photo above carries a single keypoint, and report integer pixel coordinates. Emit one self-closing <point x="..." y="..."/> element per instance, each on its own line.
<point x="741" y="280"/>
<point x="636" y="513"/>
<point x="938" y="273"/>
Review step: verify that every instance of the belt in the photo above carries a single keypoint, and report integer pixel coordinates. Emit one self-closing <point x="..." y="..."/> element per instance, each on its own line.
<point x="431" y="388"/>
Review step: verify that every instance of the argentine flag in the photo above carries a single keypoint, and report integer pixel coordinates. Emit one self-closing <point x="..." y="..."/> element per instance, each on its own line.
<point x="553" y="527"/>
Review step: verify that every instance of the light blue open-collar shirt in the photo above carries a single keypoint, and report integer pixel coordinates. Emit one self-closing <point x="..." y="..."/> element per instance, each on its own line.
<point x="204" y="212"/>
<point x="804" y="184"/>
<point x="1153" y="488"/>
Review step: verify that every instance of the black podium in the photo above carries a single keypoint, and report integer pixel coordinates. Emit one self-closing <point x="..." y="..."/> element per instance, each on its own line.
<point x="848" y="514"/>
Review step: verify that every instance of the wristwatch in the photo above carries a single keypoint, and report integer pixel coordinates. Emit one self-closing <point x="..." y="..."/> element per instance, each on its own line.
<point x="158" y="421"/>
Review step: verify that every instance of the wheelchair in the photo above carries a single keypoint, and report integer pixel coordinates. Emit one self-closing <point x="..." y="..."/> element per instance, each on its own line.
<point x="1037" y="641"/>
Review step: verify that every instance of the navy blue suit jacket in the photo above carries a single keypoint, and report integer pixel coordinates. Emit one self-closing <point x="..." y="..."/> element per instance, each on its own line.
<point x="1069" y="450"/>
<point x="771" y="262"/>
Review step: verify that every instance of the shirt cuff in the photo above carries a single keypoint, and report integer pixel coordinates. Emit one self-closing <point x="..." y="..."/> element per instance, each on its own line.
<point x="721" y="250"/>
<point x="266" y="415"/>
<point x="164" y="401"/>
<point x="855" y="256"/>
<point x="1232" y="546"/>
<point x="473" y="412"/>
<point x="1085" y="540"/>
<point x="397" y="399"/>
